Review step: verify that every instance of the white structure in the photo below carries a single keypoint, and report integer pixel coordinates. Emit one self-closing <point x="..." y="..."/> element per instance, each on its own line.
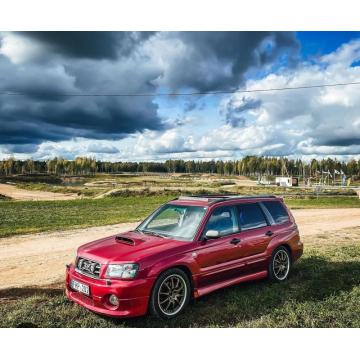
<point x="286" y="181"/>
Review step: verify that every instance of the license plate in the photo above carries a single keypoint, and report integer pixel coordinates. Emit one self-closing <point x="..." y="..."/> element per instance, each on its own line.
<point x="80" y="287"/>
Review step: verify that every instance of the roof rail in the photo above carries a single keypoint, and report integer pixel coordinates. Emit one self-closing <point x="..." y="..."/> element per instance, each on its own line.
<point x="200" y="198"/>
<point x="215" y="198"/>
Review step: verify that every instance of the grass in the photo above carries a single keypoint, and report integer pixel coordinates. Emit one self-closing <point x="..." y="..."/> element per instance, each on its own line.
<point x="23" y="217"/>
<point x="323" y="202"/>
<point x="322" y="291"/>
<point x="80" y="190"/>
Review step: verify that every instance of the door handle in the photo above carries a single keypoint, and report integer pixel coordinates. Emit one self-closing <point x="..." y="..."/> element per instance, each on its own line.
<point x="235" y="241"/>
<point x="269" y="233"/>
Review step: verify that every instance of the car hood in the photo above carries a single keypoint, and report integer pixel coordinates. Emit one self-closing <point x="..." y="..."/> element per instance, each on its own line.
<point x="128" y="246"/>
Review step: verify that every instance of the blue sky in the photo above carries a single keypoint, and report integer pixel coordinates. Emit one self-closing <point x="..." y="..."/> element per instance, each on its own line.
<point x="43" y="123"/>
<point x="315" y="43"/>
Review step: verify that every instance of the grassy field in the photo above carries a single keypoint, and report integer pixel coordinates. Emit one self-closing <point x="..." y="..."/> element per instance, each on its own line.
<point x="323" y="202"/>
<point x="80" y="190"/>
<point x="23" y="217"/>
<point x="101" y="184"/>
<point x="322" y="291"/>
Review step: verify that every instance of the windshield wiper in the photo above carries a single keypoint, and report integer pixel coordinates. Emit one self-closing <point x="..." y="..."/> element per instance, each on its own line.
<point x="153" y="233"/>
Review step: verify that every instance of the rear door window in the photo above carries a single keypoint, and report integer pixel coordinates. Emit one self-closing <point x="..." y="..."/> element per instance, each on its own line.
<point x="277" y="211"/>
<point x="251" y="216"/>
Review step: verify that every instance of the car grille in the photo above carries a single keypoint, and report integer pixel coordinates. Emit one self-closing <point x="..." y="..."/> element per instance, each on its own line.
<point x="88" y="267"/>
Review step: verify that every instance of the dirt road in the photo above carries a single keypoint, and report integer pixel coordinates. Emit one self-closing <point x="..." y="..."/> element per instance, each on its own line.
<point x="39" y="259"/>
<point x="23" y="194"/>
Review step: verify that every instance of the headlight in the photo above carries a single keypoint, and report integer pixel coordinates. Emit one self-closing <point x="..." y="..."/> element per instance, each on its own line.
<point x="122" y="271"/>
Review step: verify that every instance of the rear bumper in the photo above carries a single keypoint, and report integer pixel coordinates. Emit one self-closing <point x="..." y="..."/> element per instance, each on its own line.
<point x="297" y="250"/>
<point x="133" y="295"/>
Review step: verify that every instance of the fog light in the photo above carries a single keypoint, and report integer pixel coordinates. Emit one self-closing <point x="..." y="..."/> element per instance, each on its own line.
<point x="113" y="300"/>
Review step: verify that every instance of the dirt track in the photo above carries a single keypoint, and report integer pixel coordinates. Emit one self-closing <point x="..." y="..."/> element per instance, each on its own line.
<point x="23" y="194"/>
<point x="39" y="259"/>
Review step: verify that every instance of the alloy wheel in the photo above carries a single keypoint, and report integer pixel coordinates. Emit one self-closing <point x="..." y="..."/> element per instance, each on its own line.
<point x="172" y="294"/>
<point x="281" y="264"/>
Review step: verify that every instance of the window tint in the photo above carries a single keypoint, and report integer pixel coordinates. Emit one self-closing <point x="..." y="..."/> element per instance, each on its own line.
<point x="169" y="216"/>
<point x="277" y="211"/>
<point x="223" y="220"/>
<point x="251" y="216"/>
<point x="176" y="221"/>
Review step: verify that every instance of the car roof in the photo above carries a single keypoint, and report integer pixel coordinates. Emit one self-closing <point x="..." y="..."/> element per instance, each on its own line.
<point x="210" y="199"/>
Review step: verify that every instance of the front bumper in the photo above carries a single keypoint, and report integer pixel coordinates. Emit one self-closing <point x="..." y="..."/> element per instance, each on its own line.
<point x="133" y="294"/>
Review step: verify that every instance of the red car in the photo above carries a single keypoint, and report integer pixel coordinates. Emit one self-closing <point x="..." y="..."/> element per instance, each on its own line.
<point x="187" y="248"/>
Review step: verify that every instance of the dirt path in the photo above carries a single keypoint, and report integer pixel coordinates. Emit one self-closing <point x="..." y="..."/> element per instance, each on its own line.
<point x="317" y="221"/>
<point x="39" y="259"/>
<point x="22" y="194"/>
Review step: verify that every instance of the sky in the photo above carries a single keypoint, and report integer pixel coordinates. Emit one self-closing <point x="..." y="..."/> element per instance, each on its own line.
<point x="47" y="67"/>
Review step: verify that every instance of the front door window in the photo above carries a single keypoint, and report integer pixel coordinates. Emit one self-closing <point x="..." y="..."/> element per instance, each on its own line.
<point x="223" y="220"/>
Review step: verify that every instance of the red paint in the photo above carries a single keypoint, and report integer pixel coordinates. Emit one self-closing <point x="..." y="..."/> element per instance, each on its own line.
<point x="212" y="264"/>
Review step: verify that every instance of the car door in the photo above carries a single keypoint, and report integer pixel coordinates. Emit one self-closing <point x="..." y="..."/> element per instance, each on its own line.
<point x="218" y="258"/>
<point x="255" y="235"/>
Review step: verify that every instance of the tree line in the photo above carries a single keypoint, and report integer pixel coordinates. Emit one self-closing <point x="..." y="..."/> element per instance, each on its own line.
<point x="248" y="166"/>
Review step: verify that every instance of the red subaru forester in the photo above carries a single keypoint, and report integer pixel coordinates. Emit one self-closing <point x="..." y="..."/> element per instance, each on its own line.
<point x="187" y="248"/>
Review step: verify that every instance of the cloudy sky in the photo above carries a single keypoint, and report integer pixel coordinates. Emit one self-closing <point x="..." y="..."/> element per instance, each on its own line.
<point x="47" y="67"/>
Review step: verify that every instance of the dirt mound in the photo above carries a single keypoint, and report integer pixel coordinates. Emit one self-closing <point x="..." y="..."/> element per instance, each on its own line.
<point x="21" y="194"/>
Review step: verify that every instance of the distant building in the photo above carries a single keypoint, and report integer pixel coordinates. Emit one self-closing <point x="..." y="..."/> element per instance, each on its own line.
<point x="286" y="181"/>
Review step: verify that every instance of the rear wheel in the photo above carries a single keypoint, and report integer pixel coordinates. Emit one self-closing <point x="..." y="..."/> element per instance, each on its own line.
<point x="280" y="264"/>
<point x="170" y="294"/>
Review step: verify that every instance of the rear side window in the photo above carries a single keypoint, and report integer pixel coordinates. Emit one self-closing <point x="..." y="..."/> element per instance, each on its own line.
<point x="277" y="211"/>
<point x="251" y="216"/>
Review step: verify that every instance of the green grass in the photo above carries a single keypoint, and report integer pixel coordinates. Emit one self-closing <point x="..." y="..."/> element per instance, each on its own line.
<point x="80" y="190"/>
<point x="22" y="217"/>
<point x="324" y="202"/>
<point x="322" y="291"/>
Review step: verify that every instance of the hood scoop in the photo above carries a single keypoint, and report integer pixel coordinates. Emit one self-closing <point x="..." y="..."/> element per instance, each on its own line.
<point x="125" y="240"/>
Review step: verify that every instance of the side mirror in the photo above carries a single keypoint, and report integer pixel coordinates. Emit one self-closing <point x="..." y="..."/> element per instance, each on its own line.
<point x="212" y="234"/>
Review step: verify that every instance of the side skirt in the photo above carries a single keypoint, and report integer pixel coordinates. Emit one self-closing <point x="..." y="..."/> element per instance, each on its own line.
<point x="210" y="288"/>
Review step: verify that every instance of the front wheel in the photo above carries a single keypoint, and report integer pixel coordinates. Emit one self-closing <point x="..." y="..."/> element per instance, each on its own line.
<point x="280" y="264"/>
<point x="171" y="294"/>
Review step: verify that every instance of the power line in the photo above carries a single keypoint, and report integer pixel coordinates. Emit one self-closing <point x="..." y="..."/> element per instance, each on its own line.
<point x="200" y="93"/>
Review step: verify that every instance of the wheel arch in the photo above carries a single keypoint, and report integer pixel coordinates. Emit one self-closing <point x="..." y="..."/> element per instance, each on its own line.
<point x="288" y="248"/>
<point x="182" y="267"/>
<point x="273" y="246"/>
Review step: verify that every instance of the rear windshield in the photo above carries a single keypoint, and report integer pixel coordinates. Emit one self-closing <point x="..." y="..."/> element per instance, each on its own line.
<point x="277" y="211"/>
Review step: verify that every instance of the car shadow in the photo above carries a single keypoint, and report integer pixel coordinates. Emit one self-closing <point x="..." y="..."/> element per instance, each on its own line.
<point x="15" y="294"/>
<point x="20" y="293"/>
<point x="312" y="279"/>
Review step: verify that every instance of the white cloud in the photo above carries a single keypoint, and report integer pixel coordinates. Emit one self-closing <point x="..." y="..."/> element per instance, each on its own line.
<point x="153" y="142"/>
<point x="307" y="122"/>
<point x="19" y="49"/>
<point x="320" y="121"/>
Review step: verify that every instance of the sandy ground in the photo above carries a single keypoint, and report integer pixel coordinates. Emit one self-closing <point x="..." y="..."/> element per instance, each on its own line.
<point x="39" y="259"/>
<point x="22" y="194"/>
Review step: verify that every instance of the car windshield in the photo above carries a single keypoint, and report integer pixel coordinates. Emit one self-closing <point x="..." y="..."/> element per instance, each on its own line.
<point x="178" y="222"/>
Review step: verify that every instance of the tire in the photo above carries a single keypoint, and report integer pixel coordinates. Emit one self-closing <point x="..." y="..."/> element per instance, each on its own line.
<point x="280" y="264"/>
<point x="170" y="294"/>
